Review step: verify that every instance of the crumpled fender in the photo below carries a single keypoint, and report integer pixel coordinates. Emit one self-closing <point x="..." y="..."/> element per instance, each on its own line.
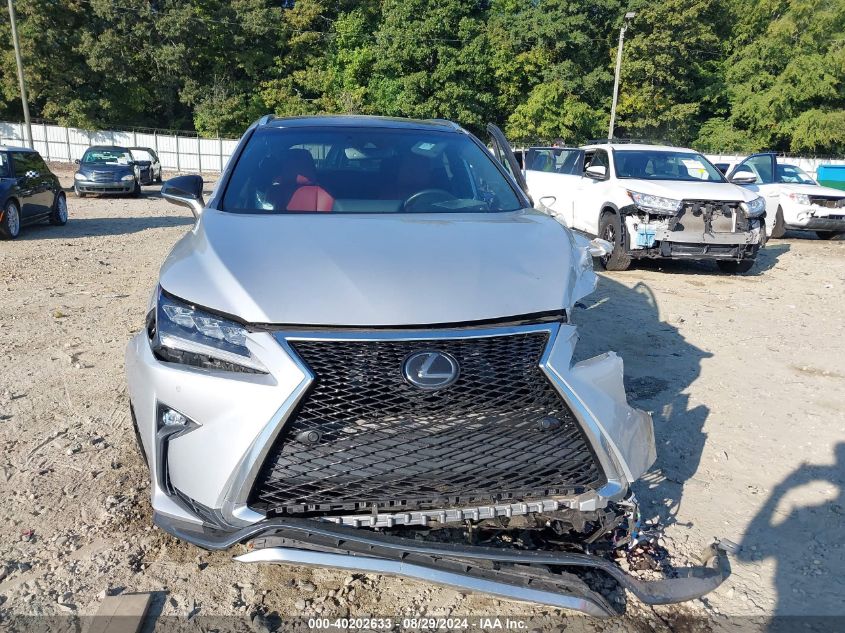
<point x="598" y="388"/>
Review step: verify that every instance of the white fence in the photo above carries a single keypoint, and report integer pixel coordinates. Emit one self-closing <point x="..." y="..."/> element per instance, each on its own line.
<point x="176" y="152"/>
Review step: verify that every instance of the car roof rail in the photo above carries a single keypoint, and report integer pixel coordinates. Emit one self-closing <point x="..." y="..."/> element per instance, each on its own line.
<point x="624" y="141"/>
<point x="447" y="122"/>
<point x="266" y="119"/>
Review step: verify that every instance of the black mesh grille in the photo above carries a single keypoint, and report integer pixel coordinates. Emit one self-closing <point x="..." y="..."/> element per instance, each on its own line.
<point x="384" y="442"/>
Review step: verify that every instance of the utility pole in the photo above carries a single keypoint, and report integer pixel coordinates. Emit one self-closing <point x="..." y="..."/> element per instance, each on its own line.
<point x="21" y="80"/>
<point x="628" y="17"/>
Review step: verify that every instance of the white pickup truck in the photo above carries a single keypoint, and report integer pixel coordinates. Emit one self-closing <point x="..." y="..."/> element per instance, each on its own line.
<point x="649" y="201"/>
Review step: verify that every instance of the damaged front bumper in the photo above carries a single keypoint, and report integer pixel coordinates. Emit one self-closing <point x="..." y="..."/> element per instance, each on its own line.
<point x="556" y="578"/>
<point x="202" y="479"/>
<point x="698" y="231"/>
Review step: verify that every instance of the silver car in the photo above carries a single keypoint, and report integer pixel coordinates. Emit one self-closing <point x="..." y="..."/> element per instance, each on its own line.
<point x="361" y="357"/>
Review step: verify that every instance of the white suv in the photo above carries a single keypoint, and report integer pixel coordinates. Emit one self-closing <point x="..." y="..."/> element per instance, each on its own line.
<point x="649" y="201"/>
<point x="794" y="200"/>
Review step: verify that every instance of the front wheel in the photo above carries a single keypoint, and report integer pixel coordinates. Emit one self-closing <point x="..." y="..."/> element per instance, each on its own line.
<point x="137" y="190"/>
<point x="58" y="217"/>
<point x="610" y="229"/>
<point x="731" y="266"/>
<point x="830" y="235"/>
<point x="10" y="223"/>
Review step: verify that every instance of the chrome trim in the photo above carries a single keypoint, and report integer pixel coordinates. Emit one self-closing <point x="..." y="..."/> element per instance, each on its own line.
<point x="293" y="556"/>
<point x="615" y="486"/>
<point x="236" y="512"/>
<point x="585" y="502"/>
<point x="413" y="335"/>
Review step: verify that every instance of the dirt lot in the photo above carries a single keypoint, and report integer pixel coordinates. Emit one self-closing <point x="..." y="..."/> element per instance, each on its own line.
<point x="745" y="375"/>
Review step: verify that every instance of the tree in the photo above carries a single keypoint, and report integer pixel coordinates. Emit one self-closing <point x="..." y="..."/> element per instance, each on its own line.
<point x="430" y="60"/>
<point x="671" y="70"/>
<point x="551" y="70"/>
<point x="786" y="79"/>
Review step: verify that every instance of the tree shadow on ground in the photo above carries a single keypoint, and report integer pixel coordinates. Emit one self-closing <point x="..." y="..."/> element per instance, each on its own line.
<point x="802" y="530"/>
<point x="659" y="366"/>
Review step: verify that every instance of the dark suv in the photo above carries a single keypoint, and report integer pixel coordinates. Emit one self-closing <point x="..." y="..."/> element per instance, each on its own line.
<point x="30" y="192"/>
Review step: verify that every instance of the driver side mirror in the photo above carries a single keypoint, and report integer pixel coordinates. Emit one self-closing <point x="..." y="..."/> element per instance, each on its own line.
<point x="596" y="172"/>
<point x="743" y="177"/>
<point x="76" y="160"/>
<point x="185" y="191"/>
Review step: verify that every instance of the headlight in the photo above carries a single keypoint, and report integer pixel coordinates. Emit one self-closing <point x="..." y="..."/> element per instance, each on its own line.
<point x="78" y="176"/>
<point x="183" y="334"/>
<point x="128" y="177"/>
<point x="648" y="202"/>
<point x="755" y="208"/>
<point x="800" y="198"/>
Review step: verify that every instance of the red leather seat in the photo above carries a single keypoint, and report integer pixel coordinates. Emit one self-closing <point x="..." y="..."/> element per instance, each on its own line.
<point x="297" y="188"/>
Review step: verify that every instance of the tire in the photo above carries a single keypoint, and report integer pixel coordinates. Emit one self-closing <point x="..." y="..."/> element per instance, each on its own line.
<point x="58" y="216"/>
<point x="830" y="235"/>
<point x="610" y="229"/>
<point x="10" y="224"/>
<point x="136" y="192"/>
<point x="779" y="229"/>
<point x="78" y="193"/>
<point x="732" y="266"/>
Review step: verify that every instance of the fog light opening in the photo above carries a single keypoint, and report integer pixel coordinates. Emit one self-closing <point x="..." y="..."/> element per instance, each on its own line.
<point x="171" y="419"/>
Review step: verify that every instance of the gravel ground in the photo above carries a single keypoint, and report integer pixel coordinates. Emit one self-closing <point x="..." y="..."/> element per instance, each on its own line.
<point x="745" y="375"/>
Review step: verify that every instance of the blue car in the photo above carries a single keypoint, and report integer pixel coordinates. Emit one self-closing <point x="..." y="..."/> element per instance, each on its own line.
<point x="107" y="170"/>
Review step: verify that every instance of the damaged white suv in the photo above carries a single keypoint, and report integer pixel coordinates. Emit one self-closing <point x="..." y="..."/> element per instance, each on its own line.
<point x="360" y="357"/>
<point x="650" y="201"/>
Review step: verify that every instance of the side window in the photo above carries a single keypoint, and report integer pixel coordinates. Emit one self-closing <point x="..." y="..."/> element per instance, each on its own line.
<point x="541" y="160"/>
<point x="762" y="166"/>
<point x="39" y="165"/>
<point x="5" y="168"/>
<point x="597" y="158"/>
<point x="22" y="163"/>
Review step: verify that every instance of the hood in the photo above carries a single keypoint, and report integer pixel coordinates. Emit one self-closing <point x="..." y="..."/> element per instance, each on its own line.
<point x="813" y="190"/>
<point x="86" y="168"/>
<point x="687" y="190"/>
<point x="375" y="270"/>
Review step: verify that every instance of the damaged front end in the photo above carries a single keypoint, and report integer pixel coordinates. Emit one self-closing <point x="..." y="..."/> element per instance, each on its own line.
<point x="696" y="229"/>
<point x="573" y="560"/>
<point x="514" y="482"/>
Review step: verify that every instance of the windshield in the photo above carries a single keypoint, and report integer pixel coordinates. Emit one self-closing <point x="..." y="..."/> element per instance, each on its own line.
<point x="555" y="160"/>
<point x="141" y="154"/>
<point x="366" y="170"/>
<point x="794" y="175"/>
<point x="107" y="156"/>
<point x="665" y="165"/>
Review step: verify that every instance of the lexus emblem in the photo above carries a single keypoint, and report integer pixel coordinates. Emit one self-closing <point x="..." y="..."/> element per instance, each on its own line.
<point x="431" y="370"/>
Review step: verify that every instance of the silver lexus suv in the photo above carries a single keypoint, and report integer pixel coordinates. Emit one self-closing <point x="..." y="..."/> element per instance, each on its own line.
<point x="360" y="357"/>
